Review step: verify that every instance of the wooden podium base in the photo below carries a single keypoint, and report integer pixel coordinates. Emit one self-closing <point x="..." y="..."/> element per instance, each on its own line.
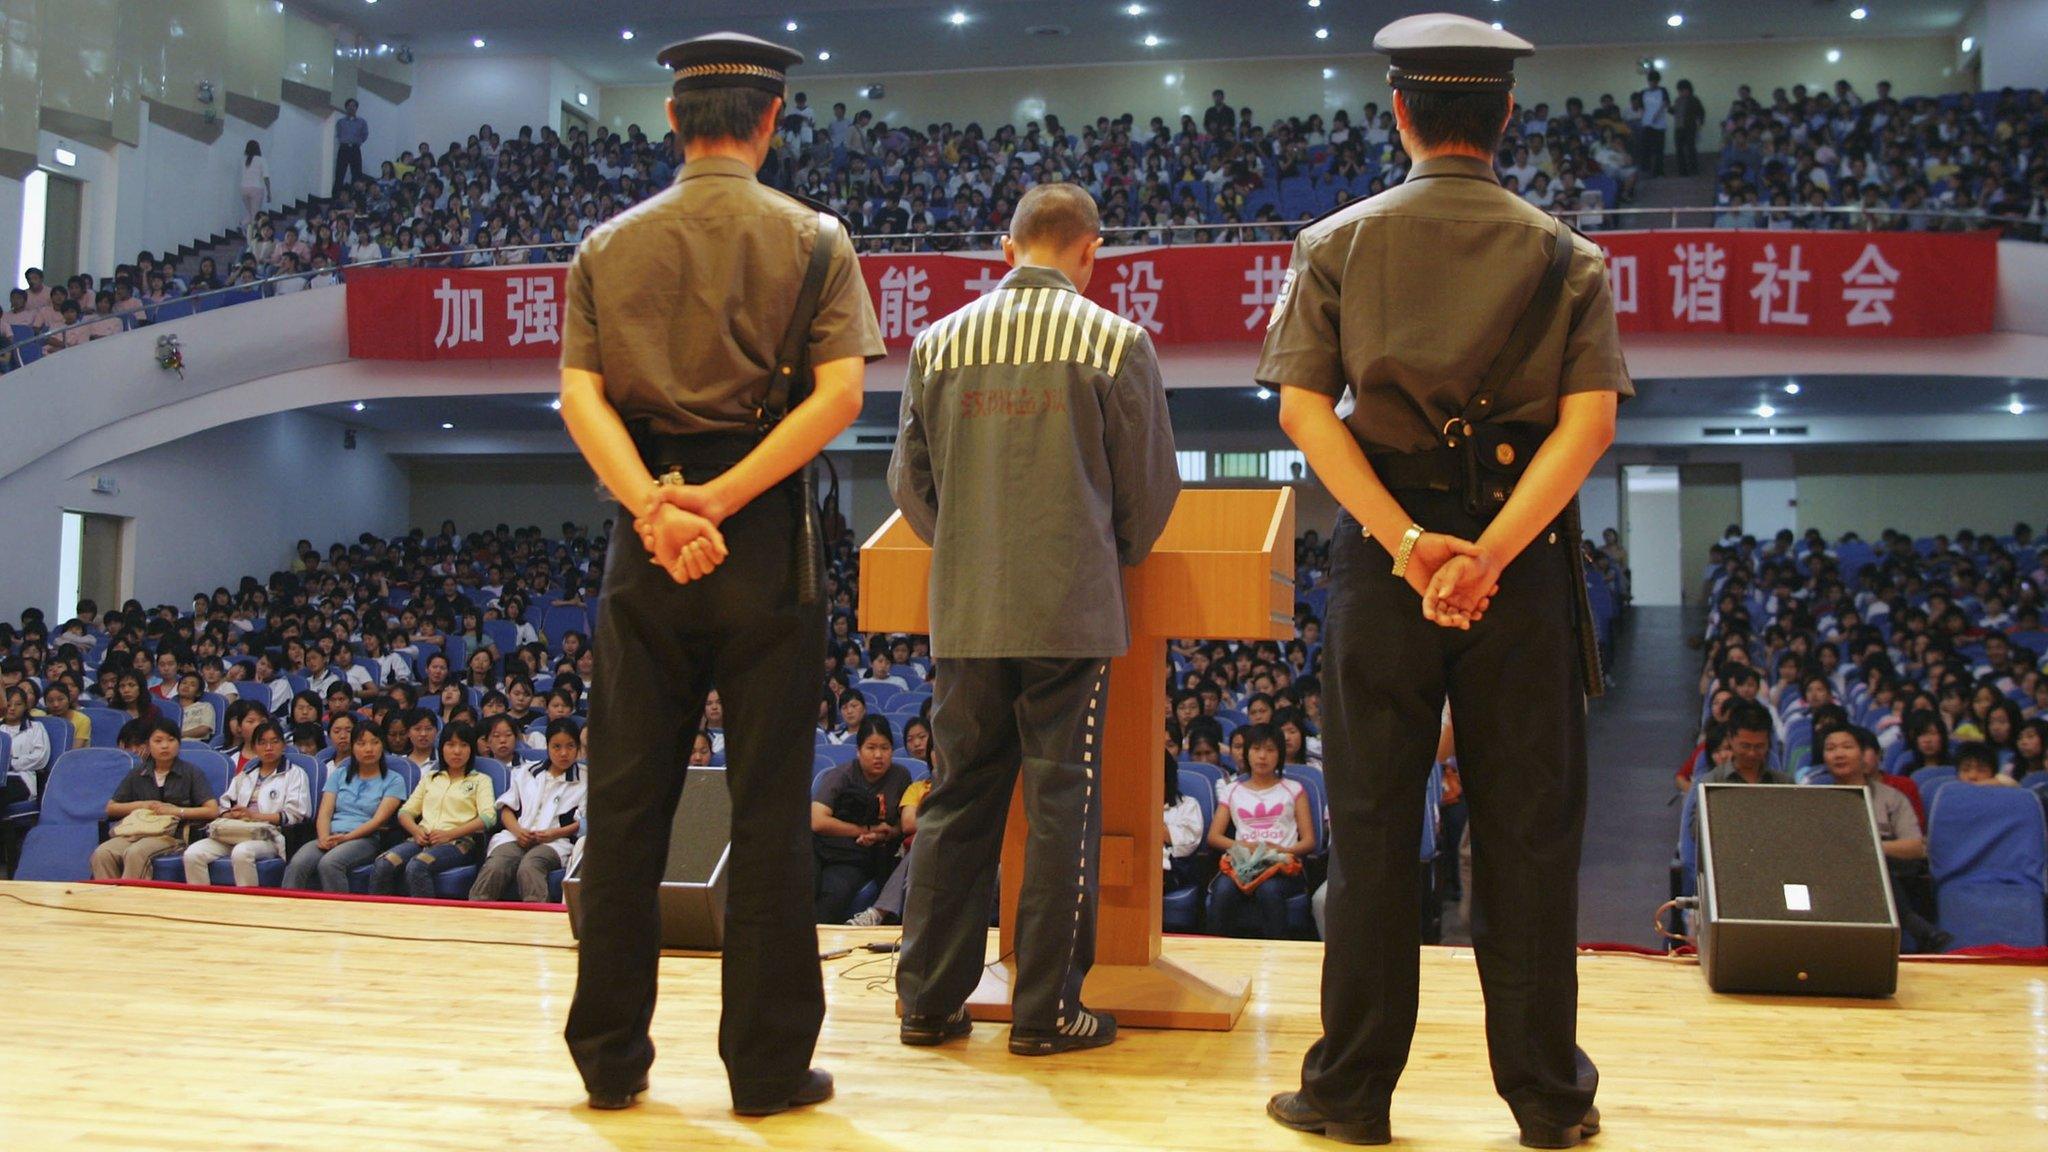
<point x="1162" y="994"/>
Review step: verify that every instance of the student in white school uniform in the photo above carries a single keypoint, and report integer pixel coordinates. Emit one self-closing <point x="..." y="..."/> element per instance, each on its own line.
<point x="540" y="816"/>
<point x="272" y="794"/>
<point x="28" y="744"/>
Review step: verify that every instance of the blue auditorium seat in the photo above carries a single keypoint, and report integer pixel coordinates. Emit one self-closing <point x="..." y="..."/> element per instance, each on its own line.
<point x="1182" y="911"/>
<point x="74" y="810"/>
<point x="1931" y="782"/>
<point x="1988" y="849"/>
<point x="454" y="884"/>
<point x="106" y="725"/>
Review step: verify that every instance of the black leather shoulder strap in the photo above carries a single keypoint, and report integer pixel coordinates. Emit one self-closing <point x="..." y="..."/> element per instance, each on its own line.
<point x="792" y="376"/>
<point x="1529" y="328"/>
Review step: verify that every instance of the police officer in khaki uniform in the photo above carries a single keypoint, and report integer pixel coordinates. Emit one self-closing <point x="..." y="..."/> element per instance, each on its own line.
<point x="1036" y="455"/>
<point x="1476" y="339"/>
<point x="673" y="345"/>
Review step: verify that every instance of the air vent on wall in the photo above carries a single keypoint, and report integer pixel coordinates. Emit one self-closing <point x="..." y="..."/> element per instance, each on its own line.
<point x="1047" y="30"/>
<point x="884" y="439"/>
<point x="1754" y="432"/>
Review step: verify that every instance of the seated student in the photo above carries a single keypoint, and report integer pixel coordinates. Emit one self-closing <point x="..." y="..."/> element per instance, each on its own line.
<point x="888" y="905"/>
<point x="881" y="671"/>
<point x="501" y="742"/>
<point x="1749" y="730"/>
<point x="356" y="819"/>
<point x="29" y="746"/>
<point x="154" y="808"/>
<point x="1926" y="742"/>
<point x="1183" y="832"/>
<point x="856" y="814"/>
<point x="700" y="750"/>
<point x="444" y="820"/>
<point x="421" y="734"/>
<point x="853" y="711"/>
<point x="1263" y="827"/>
<point x="196" y="715"/>
<point x="2030" y="749"/>
<point x="341" y="733"/>
<point x="561" y="705"/>
<point x="1977" y="763"/>
<point x="539" y="818"/>
<point x="264" y="799"/>
<point x="917" y="739"/>
<point x="59" y="703"/>
<point x="1898" y="830"/>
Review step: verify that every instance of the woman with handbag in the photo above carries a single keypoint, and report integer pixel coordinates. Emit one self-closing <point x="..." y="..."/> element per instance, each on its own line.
<point x="262" y="801"/>
<point x="155" y="807"/>
<point x="1263" y="827"/>
<point x="357" y="816"/>
<point x="444" y="819"/>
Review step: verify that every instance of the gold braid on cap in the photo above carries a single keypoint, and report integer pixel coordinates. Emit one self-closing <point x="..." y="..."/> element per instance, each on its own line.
<point x="1506" y="83"/>
<point x="696" y="70"/>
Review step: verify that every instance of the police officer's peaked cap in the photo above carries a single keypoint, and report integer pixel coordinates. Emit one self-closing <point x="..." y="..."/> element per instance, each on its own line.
<point x="1441" y="52"/>
<point x="730" y="60"/>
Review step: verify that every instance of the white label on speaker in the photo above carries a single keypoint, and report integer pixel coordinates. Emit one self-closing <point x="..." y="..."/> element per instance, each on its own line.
<point x="1797" y="899"/>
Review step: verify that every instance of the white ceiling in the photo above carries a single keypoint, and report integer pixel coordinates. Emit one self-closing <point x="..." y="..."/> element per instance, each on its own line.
<point x="877" y="37"/>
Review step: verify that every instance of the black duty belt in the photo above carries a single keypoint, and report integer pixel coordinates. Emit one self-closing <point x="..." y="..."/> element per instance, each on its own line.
<point x="698" y="456"/>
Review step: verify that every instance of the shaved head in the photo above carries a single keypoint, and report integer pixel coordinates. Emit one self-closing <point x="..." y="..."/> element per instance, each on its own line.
<point x="1055" y="217"/>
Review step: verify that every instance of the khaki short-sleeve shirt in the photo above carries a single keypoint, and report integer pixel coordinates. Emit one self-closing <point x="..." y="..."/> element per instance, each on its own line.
<point x="1404" y="300"/>
<point x="681" y="302"/>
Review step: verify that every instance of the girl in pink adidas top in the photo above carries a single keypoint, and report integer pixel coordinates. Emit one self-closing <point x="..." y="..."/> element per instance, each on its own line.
<point x="1258" y="815"/>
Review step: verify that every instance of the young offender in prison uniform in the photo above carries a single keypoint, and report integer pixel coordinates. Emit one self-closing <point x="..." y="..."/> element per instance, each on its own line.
<point x="1036" y="457"/>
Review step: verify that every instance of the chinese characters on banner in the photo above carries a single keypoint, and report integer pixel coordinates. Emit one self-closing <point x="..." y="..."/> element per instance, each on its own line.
<point x="1744" y="283"/>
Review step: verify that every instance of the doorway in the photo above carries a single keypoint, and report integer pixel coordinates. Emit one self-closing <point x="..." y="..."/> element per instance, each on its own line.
<point x="63" y="204"/>
<point x="91" y="561"/>
<point x="1649" y="530"/>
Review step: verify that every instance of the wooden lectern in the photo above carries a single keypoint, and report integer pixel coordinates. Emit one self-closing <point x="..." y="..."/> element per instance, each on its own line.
<point x="1222" y="570"/>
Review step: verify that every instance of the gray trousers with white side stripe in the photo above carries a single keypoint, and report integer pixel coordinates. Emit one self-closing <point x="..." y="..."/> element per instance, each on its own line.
<point x="991" y="720"/>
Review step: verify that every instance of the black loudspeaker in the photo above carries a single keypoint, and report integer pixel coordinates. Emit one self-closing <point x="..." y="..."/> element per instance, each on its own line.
<point x="693" y="883"/>
<point x="1793" y="892"/>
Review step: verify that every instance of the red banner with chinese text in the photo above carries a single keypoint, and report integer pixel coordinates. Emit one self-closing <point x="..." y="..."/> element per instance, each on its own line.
<point x="1882" y="284"/>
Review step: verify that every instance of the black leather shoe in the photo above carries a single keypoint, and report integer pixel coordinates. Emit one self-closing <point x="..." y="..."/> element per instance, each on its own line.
<point x="815" y="1089"/>
<point x="613" y="1102"/>
<point x="1086" y="1030"/>
<point x="927" y="1029"/>
<point x="1567" y="1137"/>
<point x="1292" y="1111"/>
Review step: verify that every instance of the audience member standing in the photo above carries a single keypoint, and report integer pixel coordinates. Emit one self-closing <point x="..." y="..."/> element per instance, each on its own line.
<point x="255" y="184"/>
<point x="1656" y="118"/>
<point x="350" y="133"/>
<point x="1687" y="114"/>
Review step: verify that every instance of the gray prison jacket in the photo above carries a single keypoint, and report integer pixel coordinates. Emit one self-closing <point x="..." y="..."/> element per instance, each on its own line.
<point x="1035" y="455"/>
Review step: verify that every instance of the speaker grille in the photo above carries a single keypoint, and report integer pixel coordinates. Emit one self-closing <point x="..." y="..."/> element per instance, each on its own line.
<point x="1764" y="839"/>
<point x="702" y="828"/>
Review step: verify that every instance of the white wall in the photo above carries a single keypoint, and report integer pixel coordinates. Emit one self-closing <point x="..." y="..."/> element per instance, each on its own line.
<point x="452" y="95"/>
<point x="476" y="493"/>
<point x="391" y="130"/>
<point x="1871" y="489"/>
<point x="195" y="523"/>
<point x="1600" y="498"/>
<point x="1770" y="492"/>
<point x="2015" y="44"/>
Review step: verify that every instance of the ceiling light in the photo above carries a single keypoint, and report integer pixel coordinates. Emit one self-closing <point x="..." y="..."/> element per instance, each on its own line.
<point x="1834" y="55"/>
<point x="1151" y="41"/>
<point x="1858" y="13"/>
<point x="65" y="156"/>
<point x="477" y="43"/>
<point x="1329" y="73"/>
<point x="359" y="405"/>
<point x="583" y="99"/>
<point x="1969" y="43"/>
<point x="447" y="427"/>
<point x="824" y="55"/>
<point x="1265" y="393"/>
<point x="1315" y="3"/>
<point x="556" y="403"/>
<point x="2016" y="408"/>
<point x="1134" y="9"/>
<point x="1791" y="387"/>
<point x="1676" y="20"/>
<point x="1497" y="24"/>
<point x="957" y="19"/>
<point x="1322" y="33"/>
<point x="625" y="33"/>
<point x="789" y="27"/>
<point x="1765" y="410"/>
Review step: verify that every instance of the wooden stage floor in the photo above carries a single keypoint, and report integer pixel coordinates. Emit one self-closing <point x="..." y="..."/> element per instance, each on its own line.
<point x="252" y="1022"/>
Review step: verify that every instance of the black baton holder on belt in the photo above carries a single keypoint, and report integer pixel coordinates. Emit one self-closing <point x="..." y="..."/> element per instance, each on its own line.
<point x="1492" y="457"/>
<point x="787" y="387"/>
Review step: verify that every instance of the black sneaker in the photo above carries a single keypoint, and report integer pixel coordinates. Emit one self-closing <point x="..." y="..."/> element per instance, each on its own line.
<point x="927" y="1029"/>
<point x="1084" y="1030"/>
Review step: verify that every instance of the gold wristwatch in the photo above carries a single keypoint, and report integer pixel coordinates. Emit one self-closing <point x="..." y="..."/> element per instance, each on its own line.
<point x="1407" y="549"/>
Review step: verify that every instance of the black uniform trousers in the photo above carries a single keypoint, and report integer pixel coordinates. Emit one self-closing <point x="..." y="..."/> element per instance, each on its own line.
<point x="348" y="166"/>
<point x="1687" y="144"/>
<point x="661" y="646"/>
<point x="1516" y="695"/>
<point x="991" y="720"/>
